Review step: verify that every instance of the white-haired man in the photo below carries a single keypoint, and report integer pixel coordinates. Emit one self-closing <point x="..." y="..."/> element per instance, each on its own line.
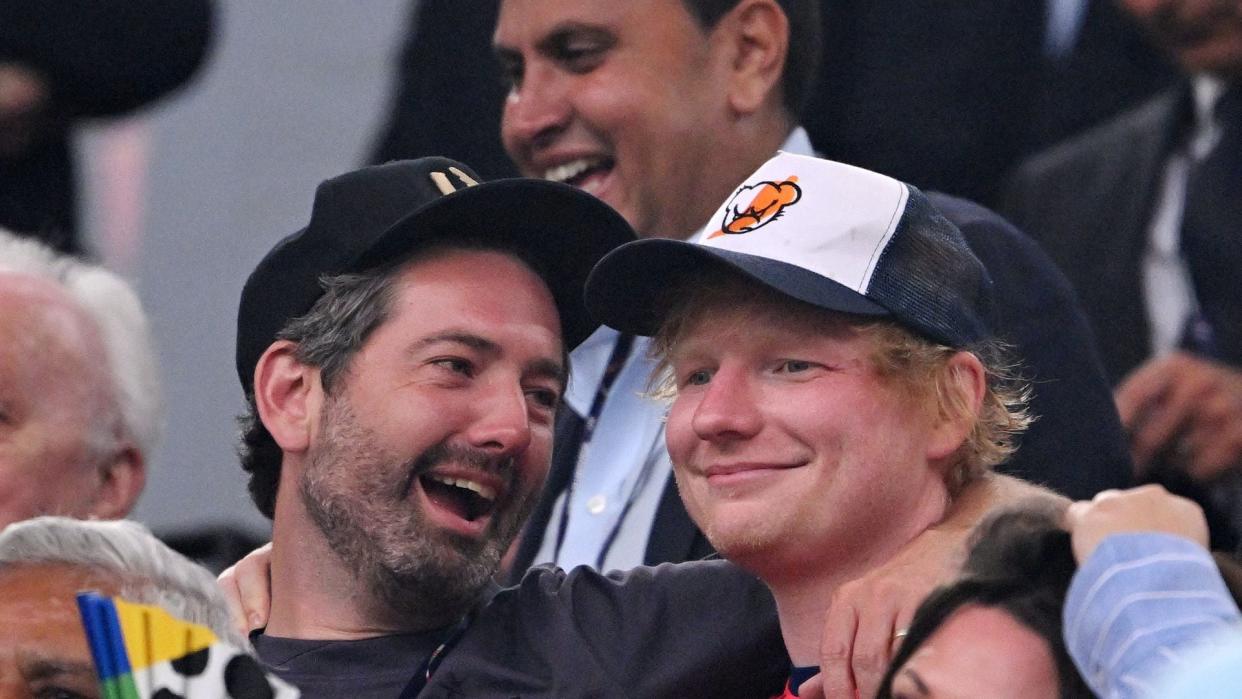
<point x="46" y="561"/>
<point x="79" y="391"/>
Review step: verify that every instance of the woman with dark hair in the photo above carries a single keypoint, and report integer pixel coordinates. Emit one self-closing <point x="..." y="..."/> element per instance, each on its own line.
<point x="997" y="630"/>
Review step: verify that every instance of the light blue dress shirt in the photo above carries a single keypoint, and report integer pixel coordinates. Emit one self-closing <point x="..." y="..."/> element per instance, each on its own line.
<point x="1144" y="609"/>
<point x="624" y="459"/>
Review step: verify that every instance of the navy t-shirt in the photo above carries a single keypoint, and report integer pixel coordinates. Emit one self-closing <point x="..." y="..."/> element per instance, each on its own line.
<point x="376" y="668"/>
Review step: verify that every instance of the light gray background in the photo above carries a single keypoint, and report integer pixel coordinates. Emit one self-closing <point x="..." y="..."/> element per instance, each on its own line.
<point x="292" y="94"/>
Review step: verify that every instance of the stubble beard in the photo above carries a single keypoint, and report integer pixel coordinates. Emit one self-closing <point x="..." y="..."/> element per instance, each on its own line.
<point x="359" y="498"/>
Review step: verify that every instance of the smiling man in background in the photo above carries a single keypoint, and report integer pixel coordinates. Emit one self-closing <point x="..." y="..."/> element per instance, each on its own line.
<point x="660" y="109"/>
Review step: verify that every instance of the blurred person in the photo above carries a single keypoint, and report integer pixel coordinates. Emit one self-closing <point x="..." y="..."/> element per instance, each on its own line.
<point x="80" y="406"/>
<point x="660" y="109"/>
<point x="946" y="97"/>
<point x="46" y="561"/>
<point x="951" y="96"/>
<point x="1142" y="214"/>
<point x="1148" y="613"/>
<point x="445" y="96"/>
<point x="66" y="61"/>
<point x="833" y="378"/>
<point x="996" y="631"/>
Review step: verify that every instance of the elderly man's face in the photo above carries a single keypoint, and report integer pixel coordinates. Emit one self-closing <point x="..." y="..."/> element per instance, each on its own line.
<point x="791" y="453"/>
<point x="623" y="99"/>
<point x="43" y="650"/>
<point x="1204" y="35"/>
<point x="436" y="440"/>
<point x="54" y="398"/>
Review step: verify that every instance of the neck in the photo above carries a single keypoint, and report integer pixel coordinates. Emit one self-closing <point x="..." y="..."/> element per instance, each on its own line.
<point x="314" y="594"/>
<point x="804" y="588"/>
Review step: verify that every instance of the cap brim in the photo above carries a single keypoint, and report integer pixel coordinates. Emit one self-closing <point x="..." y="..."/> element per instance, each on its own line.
<point x="632" y="288"/>
<point x="565" y="231"/>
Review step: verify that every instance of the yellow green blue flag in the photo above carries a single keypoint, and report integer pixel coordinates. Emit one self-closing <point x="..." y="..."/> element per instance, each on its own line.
<point x="143" y="652"/>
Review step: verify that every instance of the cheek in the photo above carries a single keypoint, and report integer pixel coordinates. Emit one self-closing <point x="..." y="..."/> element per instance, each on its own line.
<point x="43" y="479"/>
<point x="15" y="499"/>
<point x="508" y="137"/>
<point x="538" y="456"/>
<point x="679" y="430"/>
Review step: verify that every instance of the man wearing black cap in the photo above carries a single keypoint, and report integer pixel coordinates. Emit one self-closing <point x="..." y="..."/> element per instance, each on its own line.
<point x="403" y="358"/>
<point x="829" y="357"/>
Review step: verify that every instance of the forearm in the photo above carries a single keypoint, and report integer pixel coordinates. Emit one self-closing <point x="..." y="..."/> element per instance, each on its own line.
<point x="993" y="492"/>
<point x="1142" y="606"/>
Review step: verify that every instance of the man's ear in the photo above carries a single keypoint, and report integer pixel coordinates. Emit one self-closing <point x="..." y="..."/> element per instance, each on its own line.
<point x="756" y="33"/>
<point x="962" y="387"/>
<point x="121" y="479"/>
<point x="287" y="394"/>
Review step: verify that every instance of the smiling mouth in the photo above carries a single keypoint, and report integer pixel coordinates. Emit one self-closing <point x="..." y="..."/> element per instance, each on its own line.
<point x="579" y="173"/>
<point x="465" y="498"/>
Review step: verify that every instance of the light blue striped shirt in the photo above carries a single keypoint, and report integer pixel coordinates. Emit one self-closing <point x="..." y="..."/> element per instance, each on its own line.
<point x="1142" y="608"/>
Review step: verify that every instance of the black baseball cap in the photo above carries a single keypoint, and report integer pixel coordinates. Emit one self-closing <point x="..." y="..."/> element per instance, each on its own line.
<point x="379" y="215"/>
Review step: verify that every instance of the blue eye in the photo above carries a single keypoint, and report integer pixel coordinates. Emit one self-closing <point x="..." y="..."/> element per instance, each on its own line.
<point x="699" y="378"/>
<point x="794" y="366"/>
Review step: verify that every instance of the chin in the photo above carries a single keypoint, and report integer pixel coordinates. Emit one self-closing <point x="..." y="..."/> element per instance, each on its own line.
<point x="740" y="539"/>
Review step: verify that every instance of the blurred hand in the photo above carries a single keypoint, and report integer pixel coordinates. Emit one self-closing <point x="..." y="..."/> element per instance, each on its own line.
<point x="247" y="587"/>
<point x="1188" y="410"/>
<point x="1149" y="508"/>
<point x="23" y="108"/>
<point x="865" y="614"/>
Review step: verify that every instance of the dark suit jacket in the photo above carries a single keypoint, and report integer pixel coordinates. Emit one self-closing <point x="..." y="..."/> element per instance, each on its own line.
<point x="1089" y="202"/>
<point x="1075" y="447"/>
<point x="949" y="96"/>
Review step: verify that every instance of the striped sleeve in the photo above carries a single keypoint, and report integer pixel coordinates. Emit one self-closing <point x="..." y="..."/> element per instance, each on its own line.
<point x="1139" y="608"/>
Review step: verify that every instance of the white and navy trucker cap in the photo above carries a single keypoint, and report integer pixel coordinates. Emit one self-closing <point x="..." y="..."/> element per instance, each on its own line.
<point x="833" y="235"/>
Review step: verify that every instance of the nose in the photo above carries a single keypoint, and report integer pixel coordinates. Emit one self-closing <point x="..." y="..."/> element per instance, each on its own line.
<point x="502" y="421"/>
<point x="537" y="111"/>
<point x="727" y="410"/>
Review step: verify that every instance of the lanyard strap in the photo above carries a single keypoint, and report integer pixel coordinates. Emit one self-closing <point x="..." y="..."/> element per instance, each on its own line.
<point x="423" y="675"/>
<point x="616" y="360"/>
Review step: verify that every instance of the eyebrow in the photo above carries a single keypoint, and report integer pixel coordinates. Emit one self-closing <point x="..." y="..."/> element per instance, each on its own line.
<point x="550" y="369"/>
<point x="559" y="34"/>
<point x="474" y="342"/>
<point x="542" y="368"/>
<point x="43" y="668"/>
<point x="568" y="30"/>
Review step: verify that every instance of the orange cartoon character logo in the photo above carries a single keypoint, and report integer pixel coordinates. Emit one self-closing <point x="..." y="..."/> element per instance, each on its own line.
<point x="766" y="202"/>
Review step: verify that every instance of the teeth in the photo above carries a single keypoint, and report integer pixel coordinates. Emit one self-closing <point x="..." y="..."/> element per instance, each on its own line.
<point x="570" y="170"/>
<point x="478" y="488"/>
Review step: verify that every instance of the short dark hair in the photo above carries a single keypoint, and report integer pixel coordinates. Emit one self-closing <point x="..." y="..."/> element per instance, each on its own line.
<point x="1021" y="564"/>
<point x="327" y="336"/>
<point x="805" y="44"/>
